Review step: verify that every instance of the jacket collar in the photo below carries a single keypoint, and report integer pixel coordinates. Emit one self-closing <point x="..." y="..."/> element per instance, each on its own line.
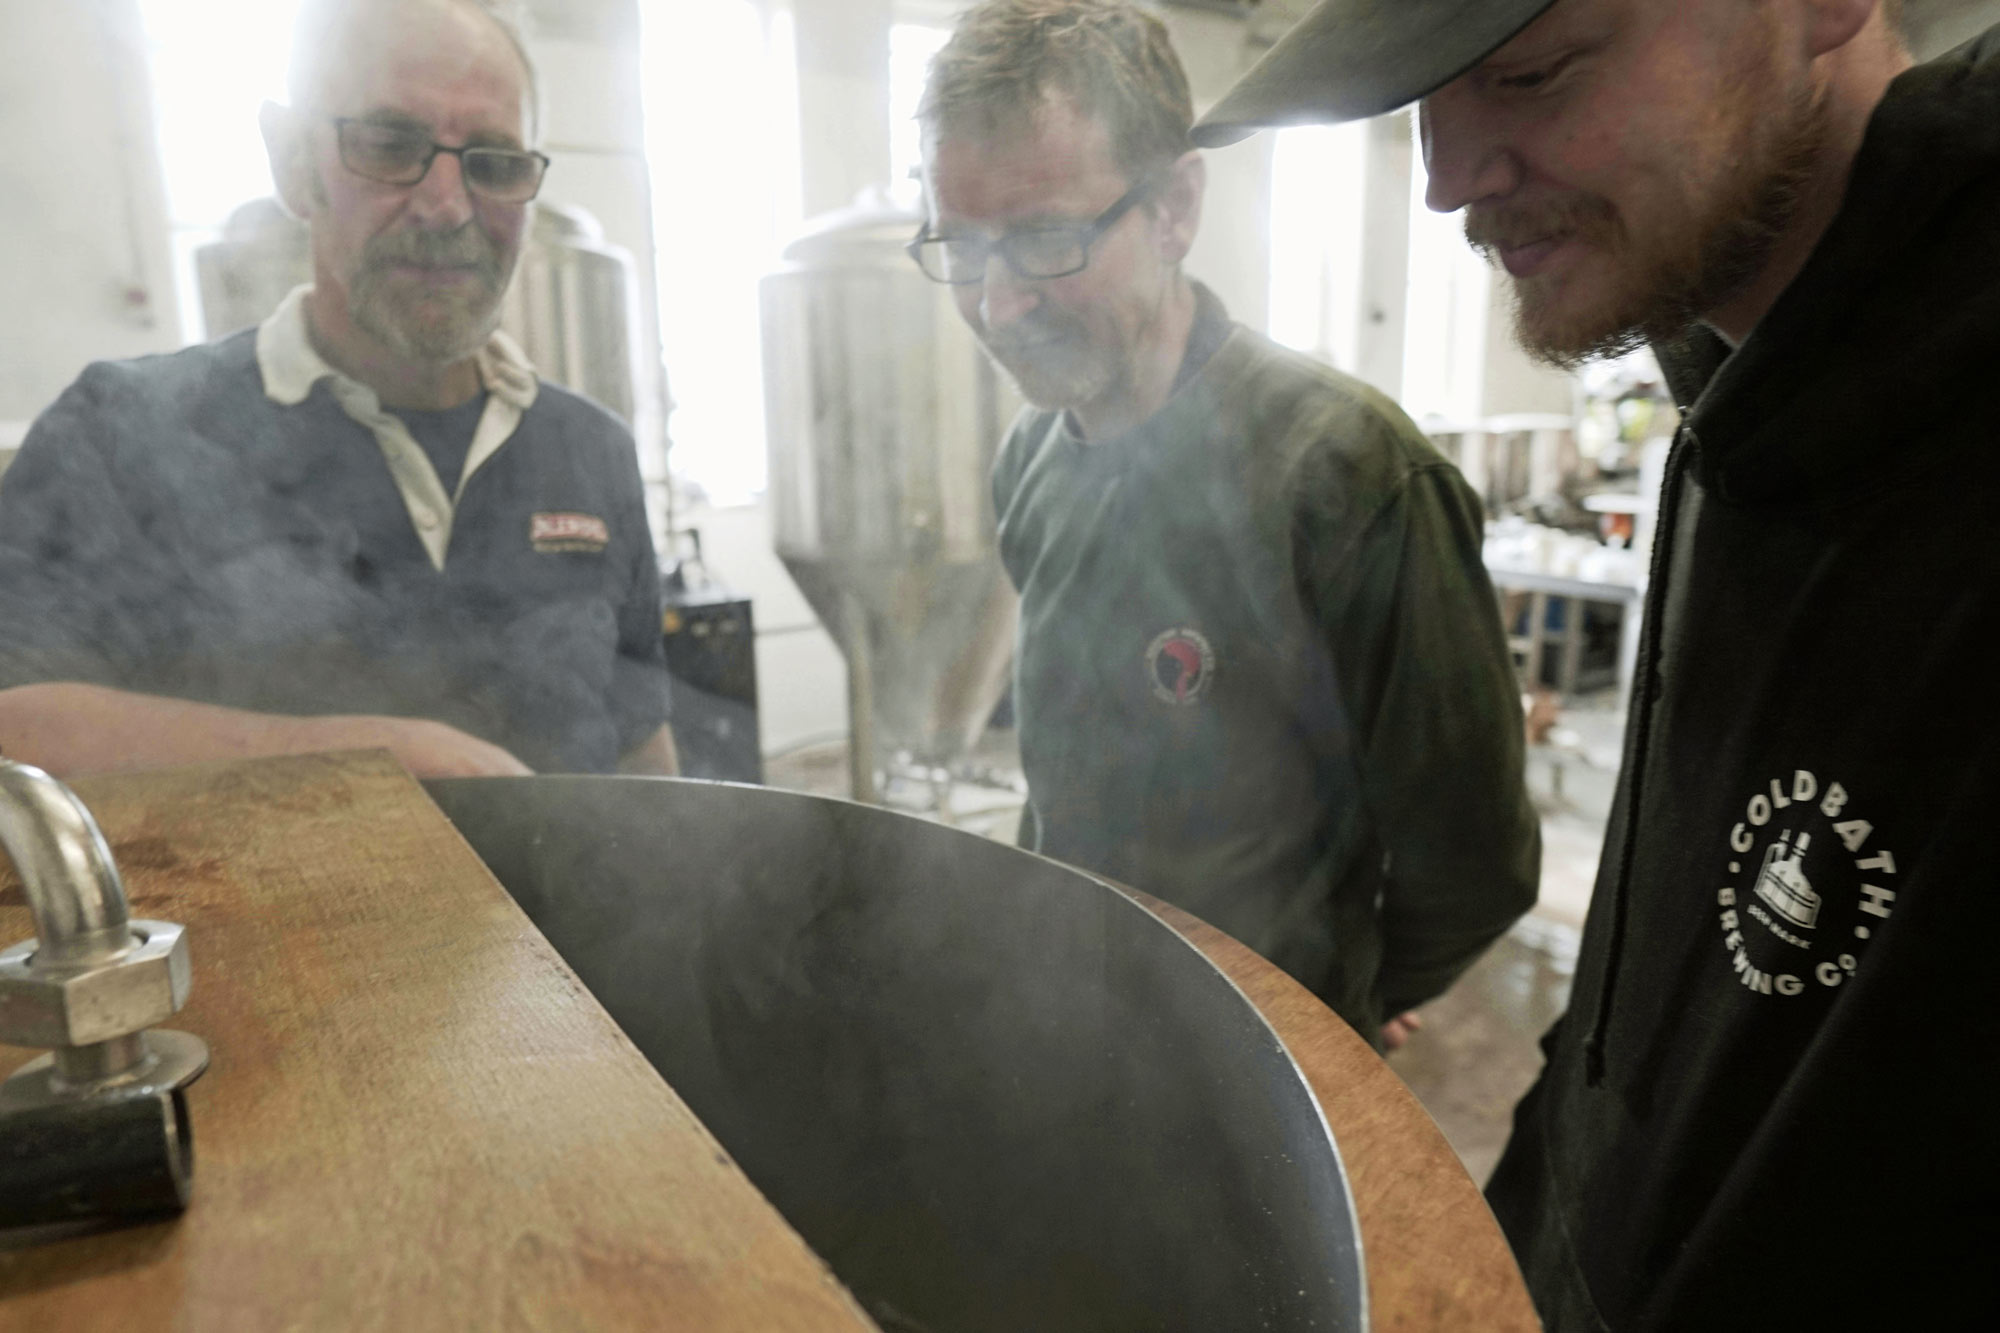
<point x="1881" y="334"/>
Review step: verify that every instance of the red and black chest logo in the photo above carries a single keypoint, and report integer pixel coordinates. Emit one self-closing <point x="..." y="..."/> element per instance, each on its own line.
<point x="1180" y="665"/>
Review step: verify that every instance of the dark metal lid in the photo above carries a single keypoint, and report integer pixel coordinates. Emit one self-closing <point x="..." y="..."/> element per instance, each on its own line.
<point x="1347" y="59"/>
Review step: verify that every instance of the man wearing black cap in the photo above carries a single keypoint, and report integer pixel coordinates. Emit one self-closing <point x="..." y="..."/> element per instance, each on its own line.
<point x="1260" y="672"/>
<point x="1766" y="1108"/>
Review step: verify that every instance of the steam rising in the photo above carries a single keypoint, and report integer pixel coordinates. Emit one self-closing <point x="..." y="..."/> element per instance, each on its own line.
<point x="992" y="1094"/>
<point x="213" y="555"/>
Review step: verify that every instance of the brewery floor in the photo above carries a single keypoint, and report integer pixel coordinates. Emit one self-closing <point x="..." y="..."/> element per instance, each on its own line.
<point x="1476" y="1053"/>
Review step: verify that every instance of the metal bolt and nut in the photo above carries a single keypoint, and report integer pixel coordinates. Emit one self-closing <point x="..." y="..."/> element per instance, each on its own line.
<point x="128" y="989"/>
<point x="100" y="1124"/>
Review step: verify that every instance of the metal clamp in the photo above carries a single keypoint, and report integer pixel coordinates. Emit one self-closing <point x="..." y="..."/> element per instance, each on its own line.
<point x="91" y="985"/>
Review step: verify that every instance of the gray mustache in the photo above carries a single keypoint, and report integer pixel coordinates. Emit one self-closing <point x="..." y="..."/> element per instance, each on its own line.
<point x="467" y="247"/>
<point x="1029" y="340"/>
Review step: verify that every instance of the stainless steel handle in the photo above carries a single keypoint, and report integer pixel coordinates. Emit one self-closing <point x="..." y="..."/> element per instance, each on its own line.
<point x="65" y="866"/>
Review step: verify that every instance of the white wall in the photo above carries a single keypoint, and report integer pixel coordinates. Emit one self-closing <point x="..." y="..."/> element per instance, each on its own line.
<point x="1936" y="26"/>
<point x="83" y="221"/>
<point x="1232" y="252"/>
<point x="1514" y="382"/>
<point x="801" y="675"/>
<point x="843" y="56"/>
<point x="1385" y="254"/>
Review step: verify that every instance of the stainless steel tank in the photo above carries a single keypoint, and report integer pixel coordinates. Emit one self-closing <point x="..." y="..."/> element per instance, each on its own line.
<point x="262" y="255"/>
<point x="572" y="305"/>
<point x="989" y="1090"/>
<point x="883" y="416"/>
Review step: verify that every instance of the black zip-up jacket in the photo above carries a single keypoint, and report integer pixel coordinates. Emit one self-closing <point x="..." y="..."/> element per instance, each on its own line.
<point x="1775" y="1101"/>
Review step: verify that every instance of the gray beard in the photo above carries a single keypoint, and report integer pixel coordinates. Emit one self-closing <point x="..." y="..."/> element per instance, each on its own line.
<point x="1057" y="370"/>
<point x="440" y="331"/>
<point x="434" y="340"/>
<point x="1056" y="387"/>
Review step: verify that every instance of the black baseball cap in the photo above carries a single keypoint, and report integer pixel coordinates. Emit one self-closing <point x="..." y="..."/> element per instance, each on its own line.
<point x="1347" y="59"/>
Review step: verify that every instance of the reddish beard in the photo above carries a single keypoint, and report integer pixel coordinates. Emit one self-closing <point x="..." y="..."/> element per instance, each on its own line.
<point x="1554" y="321"/>
<point x="1681" y="269"/>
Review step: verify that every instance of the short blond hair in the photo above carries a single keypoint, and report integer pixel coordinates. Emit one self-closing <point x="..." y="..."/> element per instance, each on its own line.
<point x="1112" y="59"/>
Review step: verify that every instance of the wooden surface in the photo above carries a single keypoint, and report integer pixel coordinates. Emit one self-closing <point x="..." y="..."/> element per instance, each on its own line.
<point x="416" y="1117"/>
<point x="1434" y="1255"/>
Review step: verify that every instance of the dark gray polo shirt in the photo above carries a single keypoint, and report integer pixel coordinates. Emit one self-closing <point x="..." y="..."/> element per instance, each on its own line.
<point x="173" y="528"/>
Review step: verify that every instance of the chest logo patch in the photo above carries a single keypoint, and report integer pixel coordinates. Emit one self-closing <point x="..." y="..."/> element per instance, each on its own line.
<point x="586" y="533"/>
<point x="1808" y="885"/>
<point x="1180" y="665"/>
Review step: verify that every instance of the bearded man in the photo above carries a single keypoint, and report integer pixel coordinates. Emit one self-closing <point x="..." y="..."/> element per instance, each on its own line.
<point x="365" y="522"/>
<point x="1765" y="1108"/>
<point x="1260" y="671"/>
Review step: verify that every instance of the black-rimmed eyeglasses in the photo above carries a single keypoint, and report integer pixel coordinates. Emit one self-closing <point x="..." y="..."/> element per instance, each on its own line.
<point x="402" y="155"/>
<point x="1032" y="252"/>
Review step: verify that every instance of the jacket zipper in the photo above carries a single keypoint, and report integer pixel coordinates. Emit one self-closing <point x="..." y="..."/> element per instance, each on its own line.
<point x="1640" y="720"/>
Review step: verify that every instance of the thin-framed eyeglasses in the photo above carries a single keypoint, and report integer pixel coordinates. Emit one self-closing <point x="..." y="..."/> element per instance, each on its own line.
<point x="402" y="155"/>
<point x="1034" y="253"/>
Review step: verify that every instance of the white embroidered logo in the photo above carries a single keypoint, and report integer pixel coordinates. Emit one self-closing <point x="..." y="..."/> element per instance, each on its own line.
<point x="1807" y="926"/>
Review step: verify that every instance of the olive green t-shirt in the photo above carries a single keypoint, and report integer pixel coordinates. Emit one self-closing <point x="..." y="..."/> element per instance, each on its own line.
<point x="1261" y="674"/>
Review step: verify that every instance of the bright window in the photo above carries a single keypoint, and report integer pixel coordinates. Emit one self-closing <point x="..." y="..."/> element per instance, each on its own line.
<point x="722" y="147"/>
<point x="1318" y="184"/>
<point x="911" y="46"/>
<point x="213" y="63"/>
<point x="1444" y="346"/>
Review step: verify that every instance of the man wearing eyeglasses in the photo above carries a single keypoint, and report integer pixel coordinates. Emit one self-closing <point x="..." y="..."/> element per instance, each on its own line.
<point x="1260" y="670"/>
<point x="366" y="522"/>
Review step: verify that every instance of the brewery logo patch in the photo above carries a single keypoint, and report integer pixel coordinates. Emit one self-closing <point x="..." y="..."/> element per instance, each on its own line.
<point x="568" y="532"/>
<point x="1808" y="884"/>
<point x="1181" y="665"/>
